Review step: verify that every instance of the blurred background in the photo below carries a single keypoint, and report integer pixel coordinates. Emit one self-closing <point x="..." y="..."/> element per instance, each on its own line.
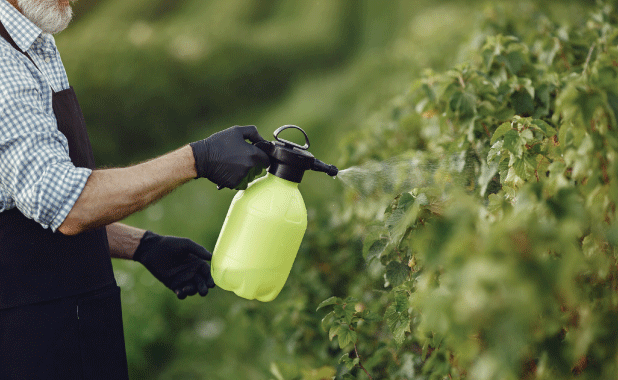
<point x="153" y="75"/>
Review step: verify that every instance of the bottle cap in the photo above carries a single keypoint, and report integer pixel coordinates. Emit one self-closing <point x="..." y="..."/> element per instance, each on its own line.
<point x="289" y="160"/>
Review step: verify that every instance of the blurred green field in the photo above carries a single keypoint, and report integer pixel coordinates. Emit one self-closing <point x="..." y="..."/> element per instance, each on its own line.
<point x="333" y="64"/>
<point x="154" y="75"/>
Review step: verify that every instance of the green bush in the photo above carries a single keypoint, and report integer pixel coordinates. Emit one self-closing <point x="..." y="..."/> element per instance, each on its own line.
<point x="499" y="261"/>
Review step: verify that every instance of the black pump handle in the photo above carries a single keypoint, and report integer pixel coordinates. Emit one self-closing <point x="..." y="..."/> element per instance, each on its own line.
<point x="280" y="129"/>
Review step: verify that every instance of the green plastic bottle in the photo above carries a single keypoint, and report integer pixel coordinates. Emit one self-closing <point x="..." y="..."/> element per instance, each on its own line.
<point x="265" y="224"/>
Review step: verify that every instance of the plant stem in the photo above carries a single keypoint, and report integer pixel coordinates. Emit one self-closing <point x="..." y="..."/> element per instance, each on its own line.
<point x="359" y="362"/>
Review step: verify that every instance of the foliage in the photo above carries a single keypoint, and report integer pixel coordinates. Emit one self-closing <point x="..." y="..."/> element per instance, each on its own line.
<point x="504" y="265"/>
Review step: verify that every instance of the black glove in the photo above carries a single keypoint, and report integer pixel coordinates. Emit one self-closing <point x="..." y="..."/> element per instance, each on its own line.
<point x="226" y="159"/>
<point x="177" y="262"/>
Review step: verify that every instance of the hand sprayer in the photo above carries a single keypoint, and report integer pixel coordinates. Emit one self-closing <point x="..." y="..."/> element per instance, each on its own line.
<point x="265" y="223"/>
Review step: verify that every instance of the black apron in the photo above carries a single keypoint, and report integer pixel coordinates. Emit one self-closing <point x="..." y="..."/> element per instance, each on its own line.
<point x="60" y="315"/>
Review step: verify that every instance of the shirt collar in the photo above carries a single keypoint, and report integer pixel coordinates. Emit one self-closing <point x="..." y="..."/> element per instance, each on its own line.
<point x="22" y="30"/>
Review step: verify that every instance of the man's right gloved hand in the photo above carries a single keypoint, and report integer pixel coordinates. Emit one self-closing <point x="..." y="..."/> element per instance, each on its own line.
<point x="226" y="159"/>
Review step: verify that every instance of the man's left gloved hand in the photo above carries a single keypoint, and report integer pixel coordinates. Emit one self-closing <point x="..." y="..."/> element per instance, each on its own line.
<point x="179" y="263"/>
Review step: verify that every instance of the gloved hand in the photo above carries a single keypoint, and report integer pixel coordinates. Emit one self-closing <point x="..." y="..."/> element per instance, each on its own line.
<point x="177" y="262"/>
<point x="226" y="159"/>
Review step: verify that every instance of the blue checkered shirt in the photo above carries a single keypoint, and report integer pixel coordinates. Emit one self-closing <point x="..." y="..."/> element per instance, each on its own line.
<point x="36" y="173"/>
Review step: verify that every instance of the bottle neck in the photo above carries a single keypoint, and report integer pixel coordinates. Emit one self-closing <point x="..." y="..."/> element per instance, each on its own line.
<point x="281" y="181"/>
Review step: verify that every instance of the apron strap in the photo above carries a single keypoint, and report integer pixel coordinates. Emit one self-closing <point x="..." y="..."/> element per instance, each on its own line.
<point x="36" y="264"/>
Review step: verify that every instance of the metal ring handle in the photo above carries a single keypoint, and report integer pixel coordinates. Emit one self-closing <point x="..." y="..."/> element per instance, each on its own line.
<point x="280" y="129"/>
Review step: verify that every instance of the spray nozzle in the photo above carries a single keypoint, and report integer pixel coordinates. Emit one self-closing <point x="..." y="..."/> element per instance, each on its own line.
<point x="289" y="160"/>
<point x="320" y="166"/>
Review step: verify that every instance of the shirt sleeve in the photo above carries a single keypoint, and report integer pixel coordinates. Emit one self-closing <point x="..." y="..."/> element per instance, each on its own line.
<point x="35" y="168"/>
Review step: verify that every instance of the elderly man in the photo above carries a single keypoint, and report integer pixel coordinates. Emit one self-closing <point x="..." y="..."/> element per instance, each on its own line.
<point x="60" y="312"/>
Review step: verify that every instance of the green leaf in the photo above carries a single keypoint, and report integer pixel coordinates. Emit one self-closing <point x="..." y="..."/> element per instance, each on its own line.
<point x="396" y="273"/>
<point x="512" y="142"/>
<point x="353" y="363"/>
<point x="463" y="105"/>
<point x="398" y="323"/>
<point x="376" y="249"/>
<point x="334" y="331"/>
<point x="348" y="361"/>
<point x="403" y="215"/>
<point x="328" y="302"/>
<point x="526" y="135"/>
<point x="401" y="302"/>
<point x="327" y="321"/>
<point x="547" y="129"/>
<point x="345" y="312"/>
<point x="515" y="61"/>
<point x="495" y="151"/>
<point x="496" y="202"/>
<point x="401" y="201"/>
<point x="397" y="317"/>
<point x="500" y="131"/>
<point x="376" y="238"/>
<point x="346" y="336"/>
<point x="520" y="168"/>
<point x="391" y="315"/>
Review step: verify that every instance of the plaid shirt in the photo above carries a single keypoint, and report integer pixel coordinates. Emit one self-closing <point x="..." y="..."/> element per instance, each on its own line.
<point x="36" y="173"/>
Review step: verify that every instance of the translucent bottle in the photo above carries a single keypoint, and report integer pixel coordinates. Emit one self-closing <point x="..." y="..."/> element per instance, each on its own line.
<point x="265" y="224"/>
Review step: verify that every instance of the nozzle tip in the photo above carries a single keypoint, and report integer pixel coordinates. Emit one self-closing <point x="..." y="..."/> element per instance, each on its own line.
<point x="319" y="166"/>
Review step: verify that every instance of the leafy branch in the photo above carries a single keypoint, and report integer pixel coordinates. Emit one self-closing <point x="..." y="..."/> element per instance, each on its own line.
<point x="503" y="262"/>
<point x="342" y="322"/>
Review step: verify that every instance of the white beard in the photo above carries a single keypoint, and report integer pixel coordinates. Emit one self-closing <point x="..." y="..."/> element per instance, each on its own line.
<point x="48" y="15"/>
